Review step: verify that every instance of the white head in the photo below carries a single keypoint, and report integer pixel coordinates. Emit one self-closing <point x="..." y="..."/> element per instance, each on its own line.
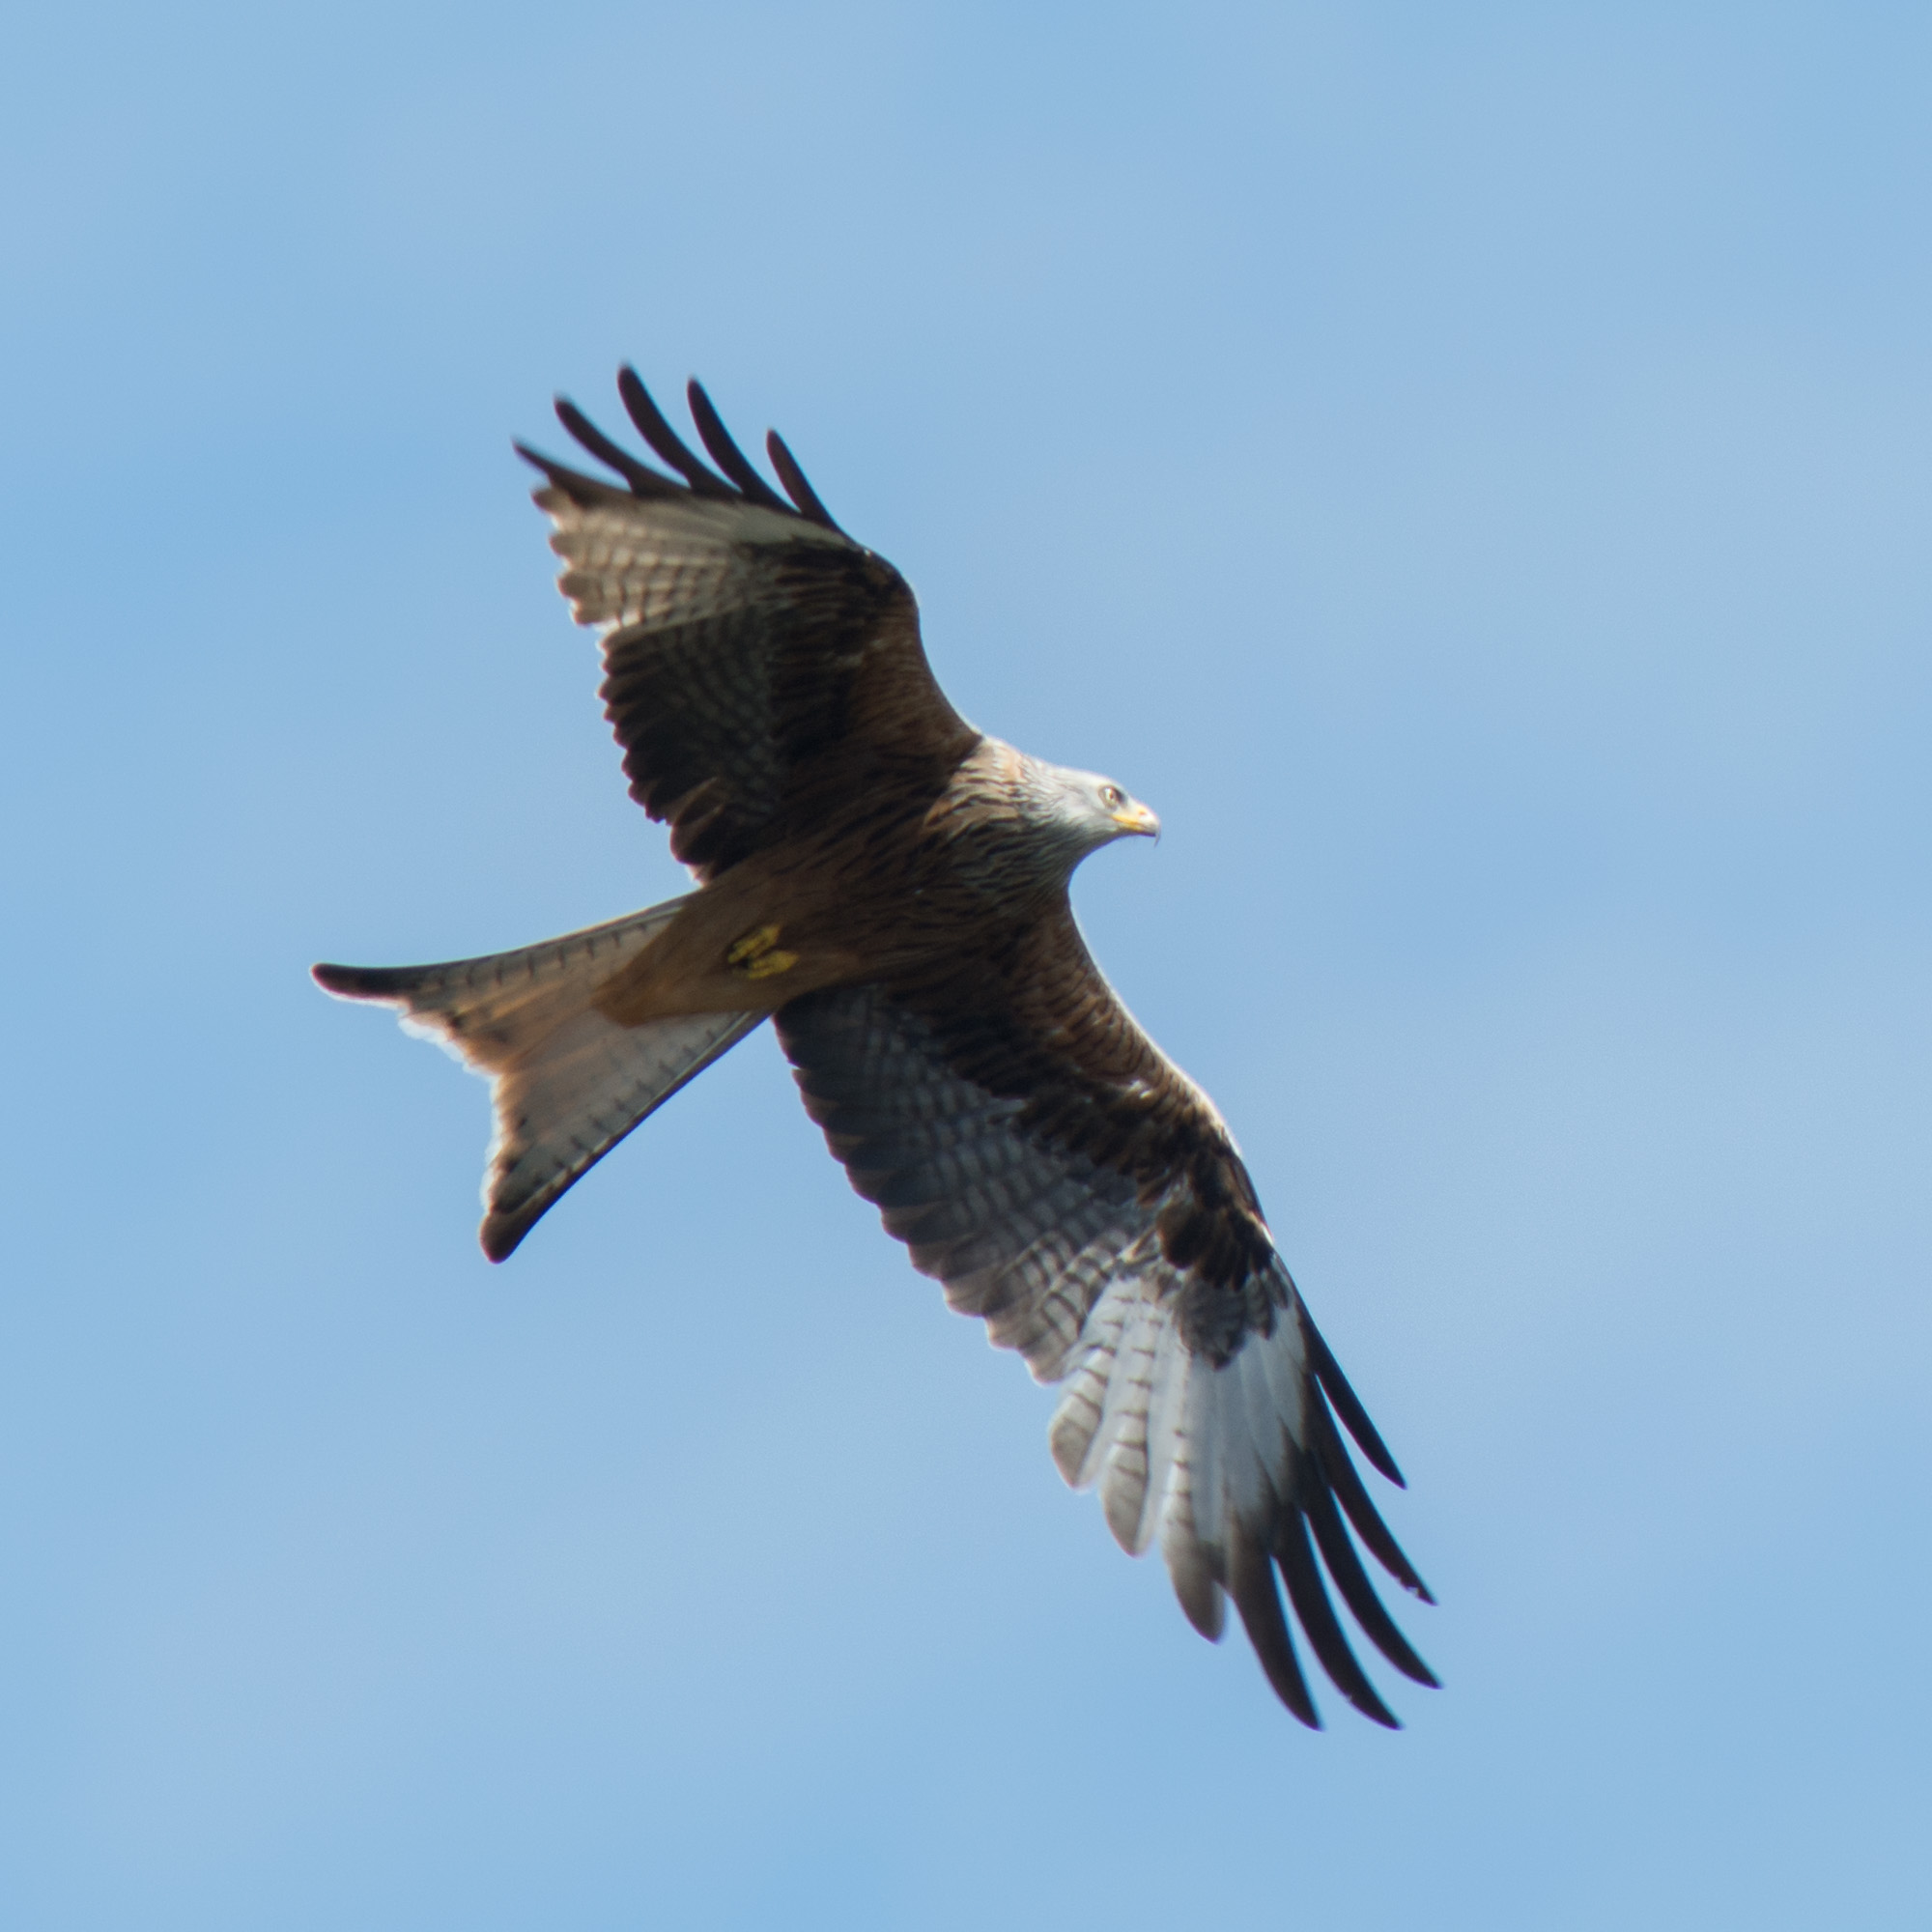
<point x="1077" y="813"/>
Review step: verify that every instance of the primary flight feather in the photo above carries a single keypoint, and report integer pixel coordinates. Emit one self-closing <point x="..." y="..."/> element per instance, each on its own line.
<point x="889" y="886"/>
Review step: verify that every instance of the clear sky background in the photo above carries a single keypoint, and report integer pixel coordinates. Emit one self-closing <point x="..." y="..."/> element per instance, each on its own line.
<point x="1468" y="467"/>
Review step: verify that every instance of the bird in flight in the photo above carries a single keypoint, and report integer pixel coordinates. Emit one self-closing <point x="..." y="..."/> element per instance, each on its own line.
<point x="889" y="886"/>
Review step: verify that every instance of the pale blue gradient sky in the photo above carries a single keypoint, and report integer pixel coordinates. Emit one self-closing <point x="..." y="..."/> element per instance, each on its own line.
<point x="1467" y="467"/>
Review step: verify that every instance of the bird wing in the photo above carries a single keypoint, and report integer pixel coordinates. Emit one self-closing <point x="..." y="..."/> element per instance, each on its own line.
<point x="759" y="662"/>
<point x="1068" y="1184"/>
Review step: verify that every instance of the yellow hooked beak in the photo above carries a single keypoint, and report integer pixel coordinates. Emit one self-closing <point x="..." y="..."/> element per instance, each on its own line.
<point x="1136" y="818"/>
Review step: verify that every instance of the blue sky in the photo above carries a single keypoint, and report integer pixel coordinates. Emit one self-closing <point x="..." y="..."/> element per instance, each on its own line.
<point x="1467" y="467"/>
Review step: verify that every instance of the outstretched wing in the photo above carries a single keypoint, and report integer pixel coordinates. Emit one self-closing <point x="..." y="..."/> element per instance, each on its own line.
<point x="1069" y="1186"/>
<point x="760" y="663"/>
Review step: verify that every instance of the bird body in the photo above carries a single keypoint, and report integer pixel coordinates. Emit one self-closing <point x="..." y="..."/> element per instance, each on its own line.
<point x="936" y="873"/>
<point x="889" y="886"/>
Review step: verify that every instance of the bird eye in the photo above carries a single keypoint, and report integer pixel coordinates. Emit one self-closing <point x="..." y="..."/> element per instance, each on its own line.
<point x="1113" y="797"/>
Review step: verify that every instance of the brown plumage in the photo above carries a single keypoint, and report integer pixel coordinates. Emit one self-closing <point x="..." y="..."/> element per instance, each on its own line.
<point x="889" y="886"/>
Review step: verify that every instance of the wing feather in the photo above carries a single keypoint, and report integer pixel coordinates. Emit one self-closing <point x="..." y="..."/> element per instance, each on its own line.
<point x="1250" y="1582"/>
<point x="644" y="481"/>
<point x="797" y="486"/>
<point x="726" y="454"/>
<point x="1357" y="1592"/>
<point x="1316" y="1617"/>
<point x="664" y="441"/>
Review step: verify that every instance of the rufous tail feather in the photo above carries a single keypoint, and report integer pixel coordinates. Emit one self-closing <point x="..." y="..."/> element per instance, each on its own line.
<point x="567" y="1083"/>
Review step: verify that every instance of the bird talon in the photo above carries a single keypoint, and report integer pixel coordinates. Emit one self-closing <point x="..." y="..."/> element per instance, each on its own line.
<point x="756" y="955"/>
<point x="754" y="944"/>
<point x="766" y="964"/>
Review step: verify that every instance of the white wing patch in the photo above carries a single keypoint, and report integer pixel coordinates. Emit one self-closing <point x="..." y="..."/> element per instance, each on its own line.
<point x="1171" y="1442"/>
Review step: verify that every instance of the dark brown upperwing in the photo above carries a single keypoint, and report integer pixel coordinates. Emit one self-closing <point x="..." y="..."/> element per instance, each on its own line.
<point x="761" y="668"/>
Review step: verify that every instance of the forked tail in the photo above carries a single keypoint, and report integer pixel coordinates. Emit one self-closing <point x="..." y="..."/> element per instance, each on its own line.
<point x="567" y="1083"/>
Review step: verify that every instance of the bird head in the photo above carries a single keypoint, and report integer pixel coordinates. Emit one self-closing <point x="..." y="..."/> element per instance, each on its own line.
<point x="1082" y="810"/>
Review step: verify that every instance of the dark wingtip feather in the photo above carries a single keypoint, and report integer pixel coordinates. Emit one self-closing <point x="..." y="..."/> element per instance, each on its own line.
<point x="1251" y="1584"/>
<point x="664" y="441"/>
<point x="1332" y="1466"/>
<point x="1357" y="1592"/>
<point x="577" y="487"/>
<point x="643" y="480"/>
<point x="1299" y="1572"/>
<point x="726" y="454"/>
<point x="363" y="982"/>
<point x="1347" y="1403"/>
<point x="797" y="488"/>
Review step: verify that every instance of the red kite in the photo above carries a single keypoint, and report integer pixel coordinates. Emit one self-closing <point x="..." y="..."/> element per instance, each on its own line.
<point x="889" y="886"/>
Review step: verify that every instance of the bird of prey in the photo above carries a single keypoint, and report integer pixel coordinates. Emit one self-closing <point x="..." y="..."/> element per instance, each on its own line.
<point x="889" y="886"/>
